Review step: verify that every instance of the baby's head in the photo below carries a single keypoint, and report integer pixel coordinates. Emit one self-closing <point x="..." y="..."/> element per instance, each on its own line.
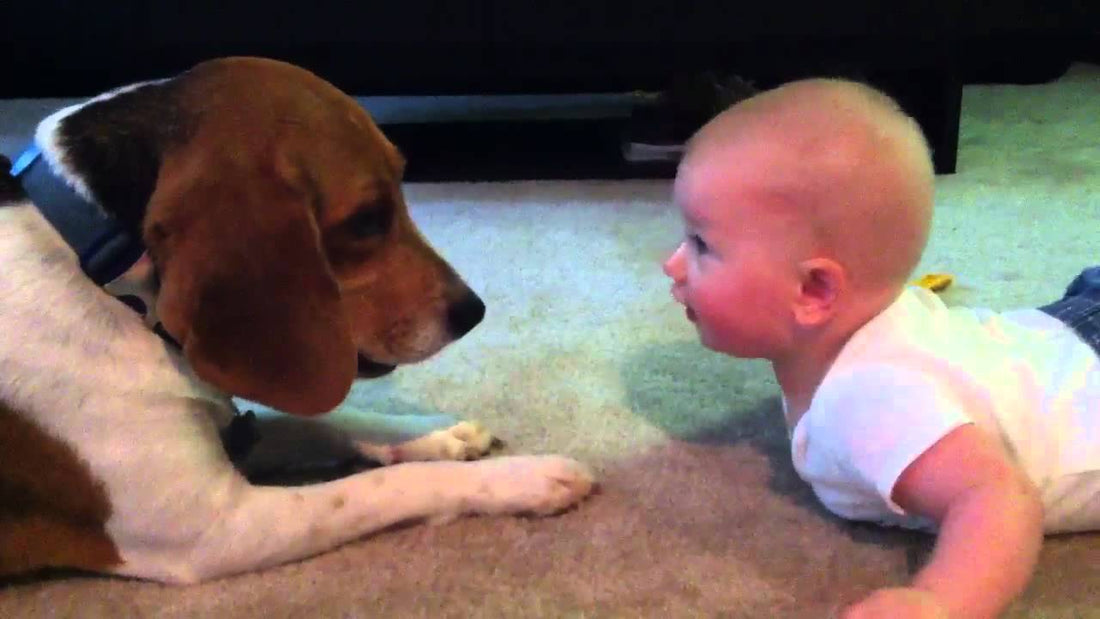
<point x="805" y="206"/>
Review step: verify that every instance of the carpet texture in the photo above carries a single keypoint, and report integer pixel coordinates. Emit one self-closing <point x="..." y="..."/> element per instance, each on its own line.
<point x="583" y="352"/>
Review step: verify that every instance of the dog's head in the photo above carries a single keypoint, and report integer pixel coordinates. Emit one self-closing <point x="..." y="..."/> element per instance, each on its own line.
<point x="271" y="205"/>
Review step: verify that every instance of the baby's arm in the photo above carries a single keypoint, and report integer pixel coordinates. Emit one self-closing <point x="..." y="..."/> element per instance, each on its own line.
<point x="990" y="519"/>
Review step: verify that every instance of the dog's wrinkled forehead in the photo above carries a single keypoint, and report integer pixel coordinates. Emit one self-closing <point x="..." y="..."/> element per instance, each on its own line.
<point x="342" y="134"/>
<point x="303" y="129"/>
<point x="254" y="93"/>
<point x="352" y="169"/>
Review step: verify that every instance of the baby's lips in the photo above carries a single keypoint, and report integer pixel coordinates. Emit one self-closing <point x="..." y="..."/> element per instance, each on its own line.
<point x="677" y="294"/>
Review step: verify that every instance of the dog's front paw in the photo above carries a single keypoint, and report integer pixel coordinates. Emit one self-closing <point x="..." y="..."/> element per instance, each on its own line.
<point x="539" y="485"/>
<point x="465" y="440"/>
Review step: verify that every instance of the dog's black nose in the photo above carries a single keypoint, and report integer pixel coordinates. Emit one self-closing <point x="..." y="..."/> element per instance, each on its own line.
<point x="465" y="314"/>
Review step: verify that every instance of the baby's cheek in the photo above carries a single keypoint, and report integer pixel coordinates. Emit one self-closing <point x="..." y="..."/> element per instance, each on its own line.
<point x="719" y="324"/>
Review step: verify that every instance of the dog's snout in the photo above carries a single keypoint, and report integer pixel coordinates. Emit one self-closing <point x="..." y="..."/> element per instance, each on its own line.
<point x="464" y="314"/>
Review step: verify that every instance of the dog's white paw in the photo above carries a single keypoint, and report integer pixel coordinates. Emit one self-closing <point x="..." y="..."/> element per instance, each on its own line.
<point x="465" y="440"/>
<point x="539" y="485"/>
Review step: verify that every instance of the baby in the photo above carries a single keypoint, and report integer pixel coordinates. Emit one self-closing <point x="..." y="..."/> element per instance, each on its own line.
<point x="806" y="210"/>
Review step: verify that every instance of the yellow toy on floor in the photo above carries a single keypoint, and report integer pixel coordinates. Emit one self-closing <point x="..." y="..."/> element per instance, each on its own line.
<point x="936" y="282"/>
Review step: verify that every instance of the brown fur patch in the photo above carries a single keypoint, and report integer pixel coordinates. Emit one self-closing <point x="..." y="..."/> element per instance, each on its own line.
<point x="283" y="245"/>
<point x="53" y="512"/>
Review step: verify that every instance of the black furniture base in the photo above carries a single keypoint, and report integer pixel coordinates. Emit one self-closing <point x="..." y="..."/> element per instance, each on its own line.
<point x="920" y="52"/>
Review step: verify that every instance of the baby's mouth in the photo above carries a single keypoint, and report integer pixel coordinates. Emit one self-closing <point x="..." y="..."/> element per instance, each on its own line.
<point x="680" y="297"/>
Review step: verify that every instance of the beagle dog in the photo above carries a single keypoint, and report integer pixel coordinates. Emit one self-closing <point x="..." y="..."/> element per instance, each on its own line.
<point x="281" y="264"/>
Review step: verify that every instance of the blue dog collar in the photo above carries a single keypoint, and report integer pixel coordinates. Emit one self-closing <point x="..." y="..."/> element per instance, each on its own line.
<point x="104" y="248"/>
<point x="109" y="255"/>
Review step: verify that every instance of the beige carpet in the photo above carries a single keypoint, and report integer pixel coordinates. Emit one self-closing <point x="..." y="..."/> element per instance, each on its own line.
<point x="584" y="353"/>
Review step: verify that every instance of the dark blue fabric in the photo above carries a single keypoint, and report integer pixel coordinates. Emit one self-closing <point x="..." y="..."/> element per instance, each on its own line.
<point x="1079" y="309"/>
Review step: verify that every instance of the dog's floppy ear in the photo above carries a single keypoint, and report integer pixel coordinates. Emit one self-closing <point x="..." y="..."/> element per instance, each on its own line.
<point x="245" y="287"/>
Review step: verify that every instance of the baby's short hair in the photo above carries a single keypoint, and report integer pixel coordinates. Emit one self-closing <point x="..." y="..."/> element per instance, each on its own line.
<point x="858" y="164"/>
<point x="905" y="210"/>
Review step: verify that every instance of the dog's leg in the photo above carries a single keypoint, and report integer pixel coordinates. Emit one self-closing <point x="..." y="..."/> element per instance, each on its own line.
<point x="259" y="527"/>
<point x="464" y="440"/>
<point x="390" y="439"/>
<point x="386" y="439"/>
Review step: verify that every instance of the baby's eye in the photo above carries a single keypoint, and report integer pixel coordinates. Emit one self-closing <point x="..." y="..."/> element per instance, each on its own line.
<point x="697" y="243"/>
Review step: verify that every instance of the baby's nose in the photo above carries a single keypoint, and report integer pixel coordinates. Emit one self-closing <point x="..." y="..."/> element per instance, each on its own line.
<point x="674" y="265"/>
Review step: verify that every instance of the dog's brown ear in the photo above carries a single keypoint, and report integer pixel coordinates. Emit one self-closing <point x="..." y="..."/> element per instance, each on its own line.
<point x="246" y="289"/>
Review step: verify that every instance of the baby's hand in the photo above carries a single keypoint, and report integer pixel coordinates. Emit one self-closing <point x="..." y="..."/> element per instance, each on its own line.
<point x="898" y="603"/>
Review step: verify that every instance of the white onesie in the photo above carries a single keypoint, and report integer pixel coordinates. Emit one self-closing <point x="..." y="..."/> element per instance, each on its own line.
<point x="919" y="370"/>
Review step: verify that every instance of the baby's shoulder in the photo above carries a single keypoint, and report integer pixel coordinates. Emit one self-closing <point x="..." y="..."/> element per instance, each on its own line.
<point x="874" y="377"/>
<point x="870" y="394"/>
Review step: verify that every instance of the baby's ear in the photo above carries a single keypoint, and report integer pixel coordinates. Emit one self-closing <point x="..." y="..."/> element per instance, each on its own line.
<point x="821" y="281"/>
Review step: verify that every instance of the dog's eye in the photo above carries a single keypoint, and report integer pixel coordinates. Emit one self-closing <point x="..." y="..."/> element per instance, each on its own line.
<point x="368" y="222"/>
